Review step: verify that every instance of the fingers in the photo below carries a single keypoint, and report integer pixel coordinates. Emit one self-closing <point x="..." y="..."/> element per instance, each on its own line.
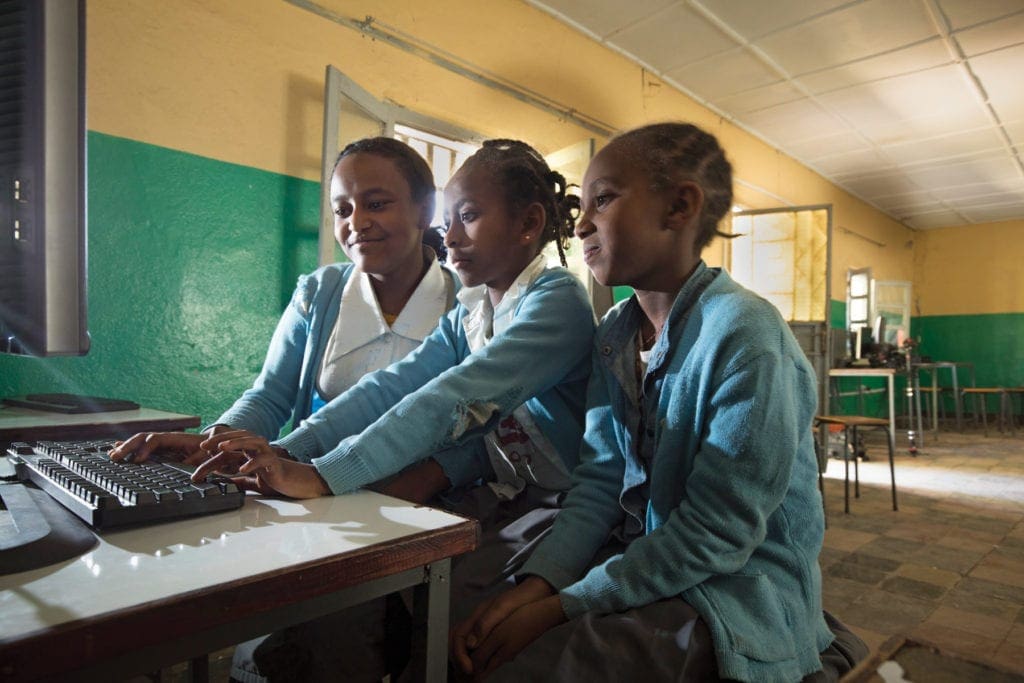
<point x="223" y="462"/>
<point x="139" y="447"/>
<point x="458" y="638"/>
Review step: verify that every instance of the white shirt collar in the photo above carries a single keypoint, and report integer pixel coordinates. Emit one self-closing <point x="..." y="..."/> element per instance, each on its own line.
<point x="482" y="321"/>
<point x="364" y="321"/>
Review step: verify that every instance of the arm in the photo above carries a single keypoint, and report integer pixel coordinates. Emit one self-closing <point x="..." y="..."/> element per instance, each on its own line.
<point x="549" y="339"/>
<point x="591" y="510"/>
<point x="265" y="407"/>
<point x="738" y="480"/>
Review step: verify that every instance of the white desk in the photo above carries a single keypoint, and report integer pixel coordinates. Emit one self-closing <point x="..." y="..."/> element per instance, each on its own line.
<point x="888" y="374"/>
<point x="150" y="597"/>
<point x="25" y="424"/>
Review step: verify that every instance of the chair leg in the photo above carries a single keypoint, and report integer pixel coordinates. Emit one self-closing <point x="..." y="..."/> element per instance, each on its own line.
<point x="856" y="465"/>
<point x="846" y="468"/>
<point x="892" y="468"/>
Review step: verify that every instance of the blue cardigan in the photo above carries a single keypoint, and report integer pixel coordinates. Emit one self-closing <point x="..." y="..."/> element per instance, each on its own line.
<point x="287" y="383"/>
<point x="734" y="521"/>
<point x="443" y="397"/>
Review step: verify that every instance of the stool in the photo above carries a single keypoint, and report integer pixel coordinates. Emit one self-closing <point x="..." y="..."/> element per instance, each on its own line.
<point x="981" y="395"/>
<point x="850" y="425"/>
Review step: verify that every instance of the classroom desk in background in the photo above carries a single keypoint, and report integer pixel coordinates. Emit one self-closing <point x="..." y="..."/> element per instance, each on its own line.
<point x="150" y="597"/>
<point x="933" y="368"/>
<point x="26" y="424"/>
<point x="888" y="374"/>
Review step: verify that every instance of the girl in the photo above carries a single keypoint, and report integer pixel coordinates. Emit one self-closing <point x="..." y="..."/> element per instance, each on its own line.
<point x="687" y="547"/>
<point x="495" y="393"/>
<point x="345" y="319"/>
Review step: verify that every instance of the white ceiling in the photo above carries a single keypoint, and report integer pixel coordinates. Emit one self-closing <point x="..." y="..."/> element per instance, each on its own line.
<point x="915" y="106"/>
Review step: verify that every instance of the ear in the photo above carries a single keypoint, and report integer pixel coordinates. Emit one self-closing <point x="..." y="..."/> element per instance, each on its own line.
<point x="426" y="215"/>
<point x="534" y="218"/>
<point x="686" y="202"/>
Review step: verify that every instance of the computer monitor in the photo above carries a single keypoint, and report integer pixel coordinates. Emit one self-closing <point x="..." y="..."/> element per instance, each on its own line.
<point x="42" y="178"/>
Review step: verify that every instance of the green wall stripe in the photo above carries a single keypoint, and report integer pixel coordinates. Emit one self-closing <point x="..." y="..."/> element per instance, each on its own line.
<point x="191" y="261"/>
<point x="992" y="342"/>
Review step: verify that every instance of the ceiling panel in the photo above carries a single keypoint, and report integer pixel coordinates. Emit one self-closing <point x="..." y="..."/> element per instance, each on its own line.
<point x="924" y="55"/>
<point x="1002" y="75"/>
<point x="758" y="98"/>
<point x="992" y="36"/>
<point x="984" y="140"/>
<point x="906" y="97"/>
<point x="961" y="13"/>
<point x="724" y="74"/>
<point x="753" y="19"/>
<point x="603" y="17"/>
<point x="993" y="169"/>
<point x="991" y="215"/>
<point x="671" y="37"/>
<point x="855" y="32"/>
<point x="936" y="219"/>
<point x="915" y="106"/>
<point x="794" y="121"/>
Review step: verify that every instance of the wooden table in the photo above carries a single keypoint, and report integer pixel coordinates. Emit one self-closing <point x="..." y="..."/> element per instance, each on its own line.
<point x="26" y="424"/>
<point x="150" y="597"/>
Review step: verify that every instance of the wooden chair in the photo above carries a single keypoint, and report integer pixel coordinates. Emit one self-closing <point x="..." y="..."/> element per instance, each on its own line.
<point x="850" y="425"/>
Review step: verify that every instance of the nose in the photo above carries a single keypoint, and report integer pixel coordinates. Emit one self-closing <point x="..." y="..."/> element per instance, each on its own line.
<point x="583" y="225"/>
<point x="453" y="234"/>
<point x="359" y="220"/>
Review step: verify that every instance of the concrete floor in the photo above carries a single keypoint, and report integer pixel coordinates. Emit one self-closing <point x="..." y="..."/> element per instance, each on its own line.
<point x="948" y="567"/>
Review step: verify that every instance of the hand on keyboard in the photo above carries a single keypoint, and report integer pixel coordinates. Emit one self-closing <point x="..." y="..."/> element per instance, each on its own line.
<point x="177" y="445"/>
<point x="260" y="466"/>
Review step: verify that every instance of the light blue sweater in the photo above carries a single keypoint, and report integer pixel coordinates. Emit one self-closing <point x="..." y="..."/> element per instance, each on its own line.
<point x="286" y="386"/>
<point x="734" y="521"/>
<point x="441" y="396"/>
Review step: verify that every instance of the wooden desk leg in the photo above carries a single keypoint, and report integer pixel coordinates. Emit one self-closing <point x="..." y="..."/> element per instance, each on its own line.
<point x="431" y="604"/>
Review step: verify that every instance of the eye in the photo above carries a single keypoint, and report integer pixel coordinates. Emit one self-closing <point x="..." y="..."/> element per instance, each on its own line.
<point x="377" y="204"/>
<point x="468" y="216"/>
<point x="602" y="200"/>
<point x="343" y="211"/>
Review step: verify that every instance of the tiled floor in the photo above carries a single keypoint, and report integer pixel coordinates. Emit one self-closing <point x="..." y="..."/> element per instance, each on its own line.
<point x="948" y="567"/>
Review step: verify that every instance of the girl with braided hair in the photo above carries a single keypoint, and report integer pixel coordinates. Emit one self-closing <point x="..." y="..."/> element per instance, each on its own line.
<point x="687" y="547"/>
<point x="488" y="409"/>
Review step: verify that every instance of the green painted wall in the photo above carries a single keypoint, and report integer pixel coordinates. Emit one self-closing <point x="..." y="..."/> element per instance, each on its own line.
<point x="993" y="342"/>
<point x="190" y="263"/>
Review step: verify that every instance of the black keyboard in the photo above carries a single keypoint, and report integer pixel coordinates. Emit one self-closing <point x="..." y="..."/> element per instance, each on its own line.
<point x="105" y="494"/>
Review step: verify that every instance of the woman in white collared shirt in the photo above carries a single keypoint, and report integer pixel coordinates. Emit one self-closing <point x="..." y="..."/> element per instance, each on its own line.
<point x="348" y="319"/>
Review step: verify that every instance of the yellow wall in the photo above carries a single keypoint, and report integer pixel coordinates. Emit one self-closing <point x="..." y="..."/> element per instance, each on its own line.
<point x="970" y="270"/>
<point x="242" y="82"/>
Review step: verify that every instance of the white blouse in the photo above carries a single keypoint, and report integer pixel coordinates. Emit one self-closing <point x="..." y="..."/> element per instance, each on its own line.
<point x="362" y="341"/>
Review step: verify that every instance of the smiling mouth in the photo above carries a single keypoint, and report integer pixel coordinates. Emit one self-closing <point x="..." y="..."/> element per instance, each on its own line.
<point x="366" y="241"/>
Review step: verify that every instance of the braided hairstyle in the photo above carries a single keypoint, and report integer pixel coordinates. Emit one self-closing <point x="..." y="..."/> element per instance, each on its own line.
<point x="525" y="178"/>
<point x="416" y="172"/>
<point x="671" y="152"/>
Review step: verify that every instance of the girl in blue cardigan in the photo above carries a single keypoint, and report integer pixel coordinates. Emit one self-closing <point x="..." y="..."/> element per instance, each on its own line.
<point x="687" y="546"/>
<point x="345" y="319"/>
